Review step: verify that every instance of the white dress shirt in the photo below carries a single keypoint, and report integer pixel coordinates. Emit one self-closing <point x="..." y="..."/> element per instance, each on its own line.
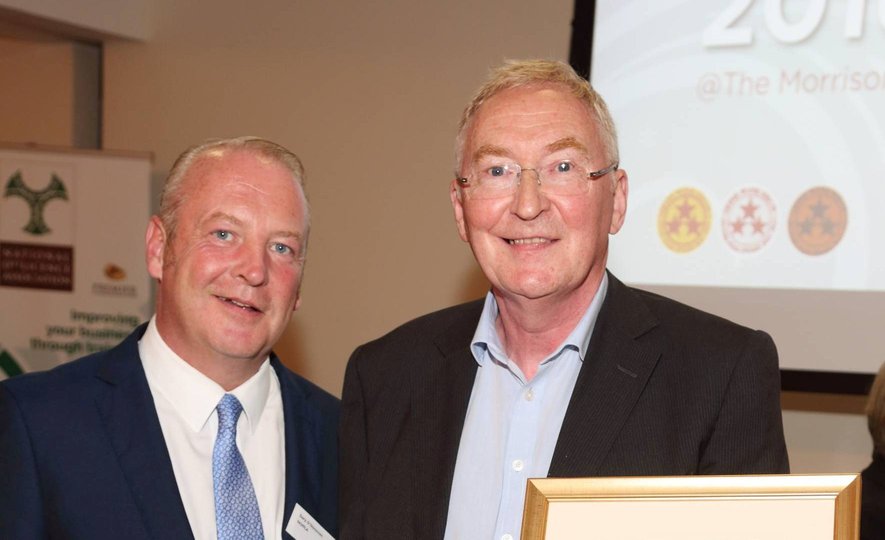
<point x="185" y="400"/>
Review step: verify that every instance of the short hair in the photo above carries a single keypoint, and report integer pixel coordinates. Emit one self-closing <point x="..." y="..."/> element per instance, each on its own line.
<point x="876" y="412"/>
<point x="520" y="73"/>
<point x="171" y="198"/>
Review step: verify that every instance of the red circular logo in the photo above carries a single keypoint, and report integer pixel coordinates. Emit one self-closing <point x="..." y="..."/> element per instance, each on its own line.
<point x="748" y="220"/>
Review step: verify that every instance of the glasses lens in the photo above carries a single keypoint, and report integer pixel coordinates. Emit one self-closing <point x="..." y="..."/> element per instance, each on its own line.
<point x="491" y="178"/>
<point x="564" y="177"/>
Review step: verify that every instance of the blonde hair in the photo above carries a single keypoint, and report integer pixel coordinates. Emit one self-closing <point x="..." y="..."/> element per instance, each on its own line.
<point x="876" y="412"/>
<point x="519" y="73"/>
<point x="172" y="197"/>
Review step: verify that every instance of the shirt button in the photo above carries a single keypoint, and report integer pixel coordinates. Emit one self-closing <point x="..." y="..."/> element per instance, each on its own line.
<point x="518" y="465"/>
<point x="507" y="537"/>
<point x="529" y="394"/>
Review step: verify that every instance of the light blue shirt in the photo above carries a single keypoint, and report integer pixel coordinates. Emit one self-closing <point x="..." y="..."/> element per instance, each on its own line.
<point x="511" y="427"/>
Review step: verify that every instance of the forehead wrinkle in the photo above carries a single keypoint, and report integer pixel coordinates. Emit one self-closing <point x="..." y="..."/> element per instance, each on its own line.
<point x="246" y="183"/>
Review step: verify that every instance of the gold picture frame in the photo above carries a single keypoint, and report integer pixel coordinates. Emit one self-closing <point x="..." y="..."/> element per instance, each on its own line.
<point x="748" y="507"/>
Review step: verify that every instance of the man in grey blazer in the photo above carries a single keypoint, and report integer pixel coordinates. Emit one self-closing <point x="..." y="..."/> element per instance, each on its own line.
<point x="562" y="370"/>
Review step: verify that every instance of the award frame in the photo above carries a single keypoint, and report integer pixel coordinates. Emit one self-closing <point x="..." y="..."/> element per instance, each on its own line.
<point x="757" y="507"/>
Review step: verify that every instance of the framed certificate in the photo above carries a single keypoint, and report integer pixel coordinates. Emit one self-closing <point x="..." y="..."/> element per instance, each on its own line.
<point x="764" y="507"/>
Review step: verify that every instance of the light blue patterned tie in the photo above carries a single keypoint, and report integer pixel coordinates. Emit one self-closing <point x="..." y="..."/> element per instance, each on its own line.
<point x="236" y="508"/>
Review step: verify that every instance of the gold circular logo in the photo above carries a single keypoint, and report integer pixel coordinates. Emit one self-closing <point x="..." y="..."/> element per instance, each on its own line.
<point x="684" y="220"/>
<point x="817" y="221"/>
<point x="114" y="272"/>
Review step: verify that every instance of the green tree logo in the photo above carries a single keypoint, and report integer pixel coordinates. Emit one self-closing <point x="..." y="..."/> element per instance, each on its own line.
<point x="36" y="200"/>
<point x="8" y="364"/>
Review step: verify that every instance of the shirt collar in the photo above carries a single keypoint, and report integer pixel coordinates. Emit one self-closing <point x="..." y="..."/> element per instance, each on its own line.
<point x="193" y="395"/>
<point x="486" y="336"/>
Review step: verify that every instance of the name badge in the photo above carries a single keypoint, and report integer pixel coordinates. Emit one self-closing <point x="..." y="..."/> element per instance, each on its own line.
<point x="302" y="526"/>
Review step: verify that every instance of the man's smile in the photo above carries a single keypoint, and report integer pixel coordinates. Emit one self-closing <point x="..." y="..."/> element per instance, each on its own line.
<point x="239" y="303"/>
<point x="529" y="241"/>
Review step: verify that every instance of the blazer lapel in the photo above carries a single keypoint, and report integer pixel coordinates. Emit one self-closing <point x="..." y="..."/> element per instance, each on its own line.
<point x="133" y="427"/>
<point x="616" y="369"/>
<point x="299" y="469"/>
<point x="441" y="388"/>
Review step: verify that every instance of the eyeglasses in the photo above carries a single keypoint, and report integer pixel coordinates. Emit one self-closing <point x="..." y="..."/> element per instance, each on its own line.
<point x="491" y="178"/>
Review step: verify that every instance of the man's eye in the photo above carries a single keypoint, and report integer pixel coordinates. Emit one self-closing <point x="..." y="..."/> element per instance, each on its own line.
<point x="499" y="170"/>
<point x="282" y="249"/>
<point x="563" y="166"/>
<point x="222" y="235"/>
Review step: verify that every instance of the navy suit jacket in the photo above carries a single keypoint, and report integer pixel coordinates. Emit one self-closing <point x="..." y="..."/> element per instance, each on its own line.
<point x="82" y="454"/>
<point x="665" y="390"/>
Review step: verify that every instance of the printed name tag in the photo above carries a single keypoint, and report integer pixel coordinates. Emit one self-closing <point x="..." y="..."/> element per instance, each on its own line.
<point x="302" y="526"/>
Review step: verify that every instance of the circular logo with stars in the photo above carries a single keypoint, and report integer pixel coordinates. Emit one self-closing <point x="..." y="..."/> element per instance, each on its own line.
<point x="749" y="219"/>
<point x="684" y="220"/>
<point x="817" y="221"/>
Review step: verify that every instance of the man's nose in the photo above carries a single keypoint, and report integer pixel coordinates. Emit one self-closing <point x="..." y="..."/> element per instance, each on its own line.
<point x="252" y="264"/>
<point x="529" y="200"/>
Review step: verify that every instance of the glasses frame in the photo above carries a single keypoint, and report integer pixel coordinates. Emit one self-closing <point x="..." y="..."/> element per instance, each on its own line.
<point x="464" y="181"/>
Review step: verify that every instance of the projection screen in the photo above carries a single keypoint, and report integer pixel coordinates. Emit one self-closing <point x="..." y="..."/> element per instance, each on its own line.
<point x="753" y="134"/>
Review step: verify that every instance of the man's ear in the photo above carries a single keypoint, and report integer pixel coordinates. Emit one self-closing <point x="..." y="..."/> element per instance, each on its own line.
<point x="155" y="240"/>
<point x="457" y="198"/>
<point x="619" y="206"/>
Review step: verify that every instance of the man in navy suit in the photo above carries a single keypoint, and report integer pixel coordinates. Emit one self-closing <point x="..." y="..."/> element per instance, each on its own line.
<point x="127" y="443"/>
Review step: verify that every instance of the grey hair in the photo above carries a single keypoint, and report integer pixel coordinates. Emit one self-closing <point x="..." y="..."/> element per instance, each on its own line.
<point x="519" y="73"/>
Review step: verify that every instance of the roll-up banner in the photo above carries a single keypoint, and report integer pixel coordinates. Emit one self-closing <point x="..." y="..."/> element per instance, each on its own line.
<point x="72" y="273"/>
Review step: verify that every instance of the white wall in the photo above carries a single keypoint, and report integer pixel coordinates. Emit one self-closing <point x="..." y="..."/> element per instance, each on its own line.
<point x="38" y="95"/>
<point x="369" y="95"/>
<point x="827" y="442"/>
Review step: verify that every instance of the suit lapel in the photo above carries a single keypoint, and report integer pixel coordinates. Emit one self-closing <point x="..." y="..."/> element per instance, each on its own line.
<point x="133" y="427"/>
<point x="616" y="369"/>
<point x="441" y="387"/>
<point x="293" y="422"/>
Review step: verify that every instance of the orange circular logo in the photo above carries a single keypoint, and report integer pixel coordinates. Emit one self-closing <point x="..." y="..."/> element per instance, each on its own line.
<point x="817" y="221"/>
<point x="684" y="220"/>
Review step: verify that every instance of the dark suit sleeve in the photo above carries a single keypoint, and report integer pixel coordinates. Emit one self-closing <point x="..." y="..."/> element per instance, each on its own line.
<point x="748" y="437"/>
<point x="21" y="510"/>
<point x="354" y="452"/>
